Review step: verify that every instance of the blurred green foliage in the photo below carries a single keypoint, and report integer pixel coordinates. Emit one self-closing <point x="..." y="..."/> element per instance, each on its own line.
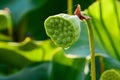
<point x="106" y="25"/>
<point x="30" y="55"/>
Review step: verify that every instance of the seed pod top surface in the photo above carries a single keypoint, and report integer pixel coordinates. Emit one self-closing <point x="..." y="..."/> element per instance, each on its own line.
<point x="110" y="75"/>
<point x="63" y="29"/>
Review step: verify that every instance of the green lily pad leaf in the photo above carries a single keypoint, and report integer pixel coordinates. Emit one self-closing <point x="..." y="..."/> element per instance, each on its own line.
<point x="37" y="72"/>
<point x="67" y="67"/>
<point x="106" y="24"/>
<point x="26" y="52"/>
<point x="5" y="38"/>
<point x="13" y="58"/>
<point x="108" y="60"/>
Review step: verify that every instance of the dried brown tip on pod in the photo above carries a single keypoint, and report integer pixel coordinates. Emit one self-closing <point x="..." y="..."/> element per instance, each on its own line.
<point x="79" y="14"/>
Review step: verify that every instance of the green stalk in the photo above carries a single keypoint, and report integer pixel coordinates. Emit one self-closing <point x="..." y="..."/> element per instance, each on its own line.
<point x="69" y="6"/>
<point x="92" y="53"/>
<point x="10" y="30"/>
<point x="9" y="22"/>
<point x="6" y="22"/>
<point x="101" y="64"/>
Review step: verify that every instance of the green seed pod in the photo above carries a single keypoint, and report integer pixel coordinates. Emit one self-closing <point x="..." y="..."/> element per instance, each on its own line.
<point x="110" y="75"/>
<point x="63" y="29"/>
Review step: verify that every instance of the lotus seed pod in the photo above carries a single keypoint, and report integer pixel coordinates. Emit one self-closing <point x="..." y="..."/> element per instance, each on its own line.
<point x="4" y="19"/>
<point x="63" y="29"/>
<point x="110" y="75"/>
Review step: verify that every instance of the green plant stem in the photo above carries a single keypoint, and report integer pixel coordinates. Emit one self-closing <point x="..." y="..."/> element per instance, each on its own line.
<point x="10" y="30"/>
<point x="101" y="64"/>
<point x="69" y="7"/>
<point x="9" y="22"/>
<point x="92" y="53"/>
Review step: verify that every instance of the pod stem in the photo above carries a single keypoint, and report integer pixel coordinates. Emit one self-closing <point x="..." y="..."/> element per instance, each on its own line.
<point x="69" y="6"/>
<point x="91" y="40"/>
<point x="92" y="53"/>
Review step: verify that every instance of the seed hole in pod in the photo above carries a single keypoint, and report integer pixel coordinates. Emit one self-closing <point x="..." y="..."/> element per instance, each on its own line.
<point x="60" y="30"/>
<point x="65" y="23"/>
<point x="55" y="24"/>
<point x="56" y="32"/>
<point x="48" y="24"/>
<point x="54" y="36"/>
<point x="51" y="21"/>
<point x="70" y="27"/>
<point x="64" y="41"/>
<point x="65" y="34"/>
<point x="65" y="28"/>
<point x="70" y="33"/>
<point x="68" y="39"/>
<point x="58" y="40"/>
<point x="56" y="20"/>
<point x="61" y="21"/>
<point x="61" y="35"/>
<point x="59" y="25"/>
<point x="50" y="31"/>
